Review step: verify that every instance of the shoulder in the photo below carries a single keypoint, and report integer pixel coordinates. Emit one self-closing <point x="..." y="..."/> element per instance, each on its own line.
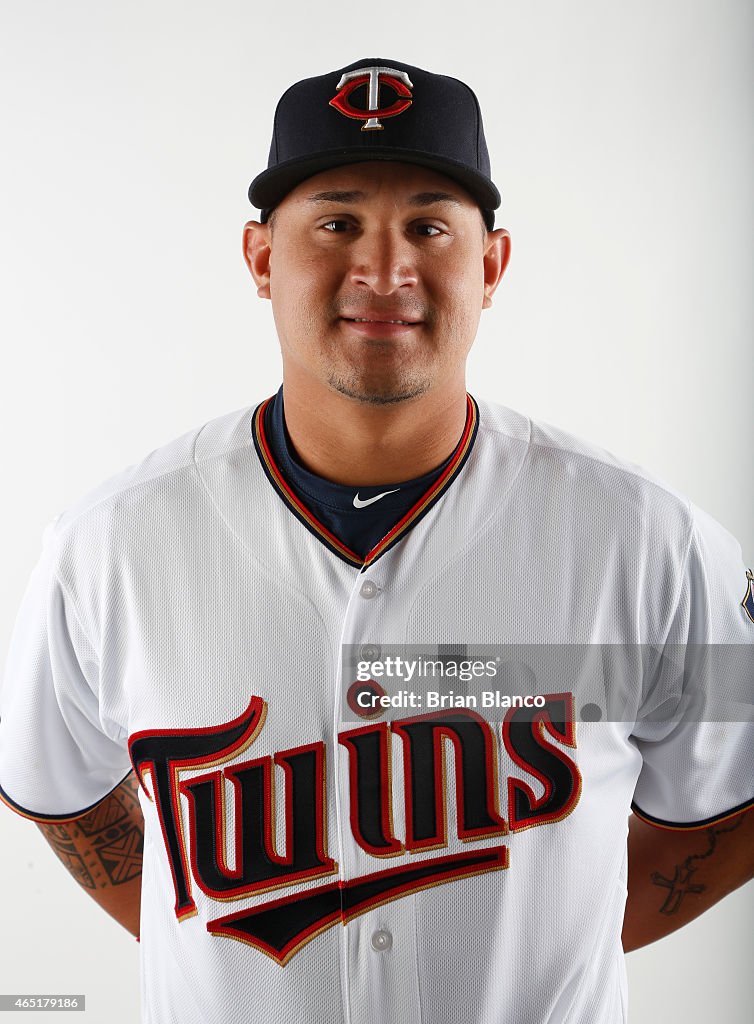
<point x="596" y="516"/>
<point x="575" y="474"/>
<point x="165" y="484"/>
<point x="174" y="460"/>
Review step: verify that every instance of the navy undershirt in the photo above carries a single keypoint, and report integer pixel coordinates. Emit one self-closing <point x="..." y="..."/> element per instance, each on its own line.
<point x="360" y="529"/>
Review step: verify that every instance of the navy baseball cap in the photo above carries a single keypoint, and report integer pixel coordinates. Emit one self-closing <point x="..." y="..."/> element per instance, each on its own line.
<point x="377" y="109"/>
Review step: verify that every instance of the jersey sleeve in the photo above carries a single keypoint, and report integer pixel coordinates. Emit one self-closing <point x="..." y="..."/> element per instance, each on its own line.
<point x="58" y="757"/>
<point x="698" y="757"/>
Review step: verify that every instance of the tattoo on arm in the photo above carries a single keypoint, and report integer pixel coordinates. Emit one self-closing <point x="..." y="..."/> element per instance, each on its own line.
<point x="681" y="883"/>
<point x="104" y="847"/>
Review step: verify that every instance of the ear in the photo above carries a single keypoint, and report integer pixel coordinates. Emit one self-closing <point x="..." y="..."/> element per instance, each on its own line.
<point x="497" y="252"/>
<point x="256" y="253"/>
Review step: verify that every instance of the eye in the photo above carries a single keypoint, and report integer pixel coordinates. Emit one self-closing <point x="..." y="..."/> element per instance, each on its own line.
<point x="428" y="230"/>
<point x="336" y="226"/>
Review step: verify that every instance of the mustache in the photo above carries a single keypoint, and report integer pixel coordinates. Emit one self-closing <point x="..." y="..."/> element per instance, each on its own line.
<point x="393" y="308"/>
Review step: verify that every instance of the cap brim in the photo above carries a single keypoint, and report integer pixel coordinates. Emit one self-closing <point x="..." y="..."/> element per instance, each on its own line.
<point x="274" y="184"/>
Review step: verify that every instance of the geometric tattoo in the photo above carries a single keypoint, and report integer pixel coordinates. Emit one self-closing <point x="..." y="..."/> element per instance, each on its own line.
<point x="105" y="846"/>
<point x="680" y="884"/>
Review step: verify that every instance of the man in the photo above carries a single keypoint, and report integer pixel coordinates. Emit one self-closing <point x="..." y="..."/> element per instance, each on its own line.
<point x="196" y="630"/>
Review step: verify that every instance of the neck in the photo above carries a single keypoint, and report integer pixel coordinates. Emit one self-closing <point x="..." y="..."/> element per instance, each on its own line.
<point x="357" y="444"/>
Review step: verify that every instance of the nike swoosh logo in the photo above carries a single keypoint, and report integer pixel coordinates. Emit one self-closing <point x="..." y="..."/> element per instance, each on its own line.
<point x="359" y="503"/>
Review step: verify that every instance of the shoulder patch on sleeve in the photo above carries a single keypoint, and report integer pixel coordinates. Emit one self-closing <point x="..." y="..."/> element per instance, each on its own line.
<point x="748" y="602"/>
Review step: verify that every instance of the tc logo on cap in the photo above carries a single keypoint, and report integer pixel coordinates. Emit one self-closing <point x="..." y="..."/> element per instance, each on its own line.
<point x="398" y="81"/>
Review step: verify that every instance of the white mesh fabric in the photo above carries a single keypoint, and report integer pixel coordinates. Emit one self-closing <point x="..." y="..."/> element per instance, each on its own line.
<point x="58" y="752"/>
<point x="701" y="768"/>
<point x="183" y="588"/>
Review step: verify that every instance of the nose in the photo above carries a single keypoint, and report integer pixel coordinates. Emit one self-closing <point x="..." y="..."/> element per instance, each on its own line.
<point x="384" y="260"/>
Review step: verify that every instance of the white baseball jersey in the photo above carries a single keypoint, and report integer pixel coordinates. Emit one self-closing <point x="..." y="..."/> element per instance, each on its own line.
<point x="187" y="620"/>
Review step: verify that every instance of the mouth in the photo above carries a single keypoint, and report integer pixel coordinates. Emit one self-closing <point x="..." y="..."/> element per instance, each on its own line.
<point x="379" y="320"/>
<point x="382" y="329"/>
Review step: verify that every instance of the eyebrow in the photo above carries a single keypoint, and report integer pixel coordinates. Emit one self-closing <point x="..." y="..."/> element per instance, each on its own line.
<point x="420" y="199"/>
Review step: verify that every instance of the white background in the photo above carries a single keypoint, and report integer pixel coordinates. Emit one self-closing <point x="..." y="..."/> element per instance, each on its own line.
<point x="621" y="138"/>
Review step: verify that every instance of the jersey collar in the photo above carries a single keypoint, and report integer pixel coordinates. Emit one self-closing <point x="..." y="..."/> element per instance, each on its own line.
<point x="417" y="511"/>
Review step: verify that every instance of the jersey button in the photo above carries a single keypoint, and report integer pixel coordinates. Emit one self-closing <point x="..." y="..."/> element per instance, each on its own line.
<point x="368" y="588"/>
<point x="370" y="652"/>
<point x="382" y="941"/>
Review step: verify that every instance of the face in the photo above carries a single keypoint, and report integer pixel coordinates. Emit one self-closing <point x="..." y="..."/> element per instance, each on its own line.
<point x="378" y="273"/>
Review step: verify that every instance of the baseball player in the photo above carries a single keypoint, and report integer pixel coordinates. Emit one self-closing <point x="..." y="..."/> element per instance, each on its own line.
<point x="196" y="708"/>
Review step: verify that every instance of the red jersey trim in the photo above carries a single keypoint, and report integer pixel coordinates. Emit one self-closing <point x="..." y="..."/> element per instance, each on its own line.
<point x="414" y="514"/>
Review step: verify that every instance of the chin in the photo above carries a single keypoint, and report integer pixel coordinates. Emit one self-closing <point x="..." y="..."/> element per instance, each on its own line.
<point x="372" y="392"/>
